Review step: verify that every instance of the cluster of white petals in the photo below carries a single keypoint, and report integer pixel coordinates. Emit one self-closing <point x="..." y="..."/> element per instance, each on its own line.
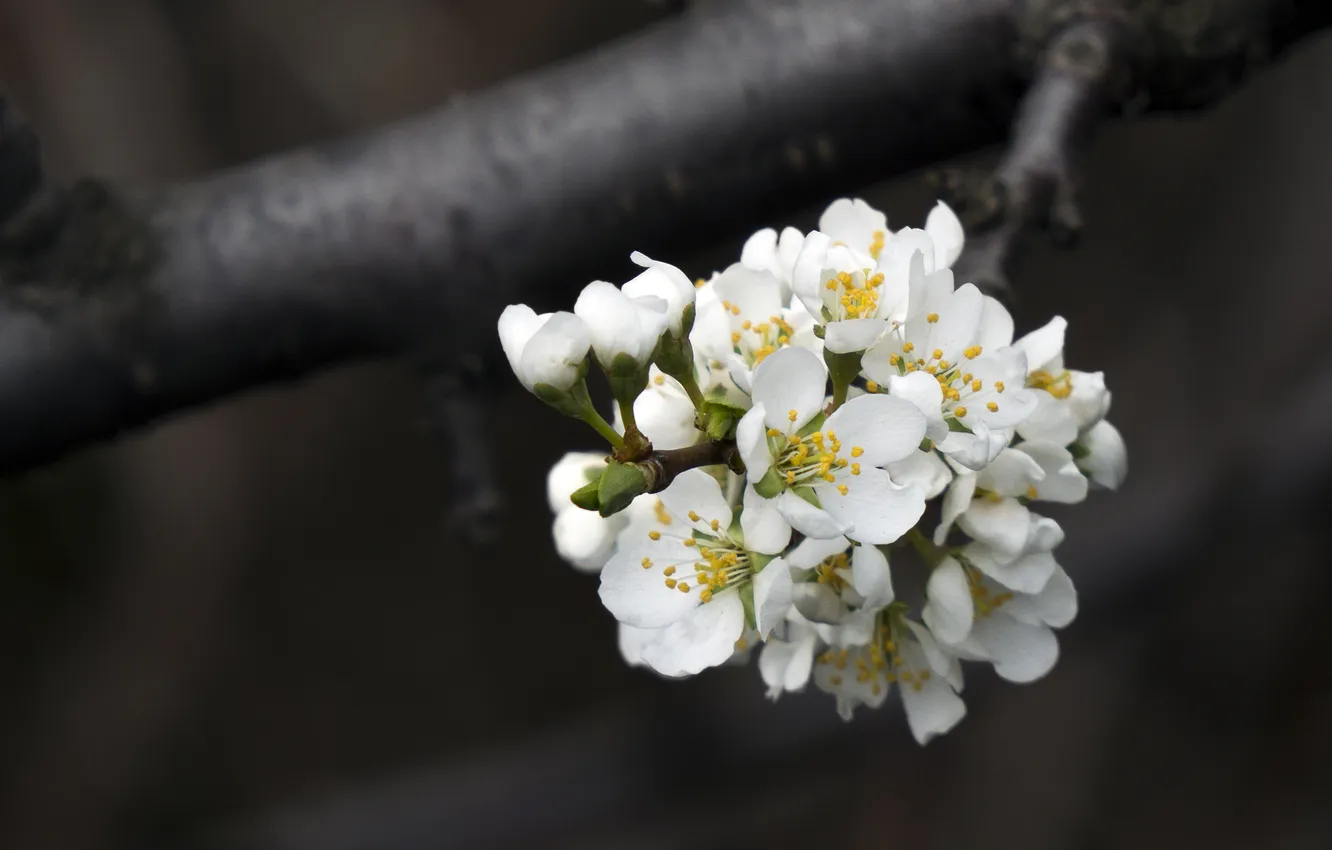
<point x="819" y="396"/>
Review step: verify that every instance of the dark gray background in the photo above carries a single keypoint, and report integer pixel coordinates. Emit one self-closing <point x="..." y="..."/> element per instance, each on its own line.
<point x="250" y="627"/>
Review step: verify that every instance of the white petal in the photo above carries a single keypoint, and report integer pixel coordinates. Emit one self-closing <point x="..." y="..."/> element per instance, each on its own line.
<point x="631" y="642"/>
<point x="1063" y="481"/>
<point x="924" y="470"/>
<point x="1106" y="462"/>
<point x="871" y="577"/>
<point x="1043" y="535"/>
<point x="619" y="324"/>
<point x="958" y="320"/>
<point x="875" y="509"/>
<point x="854" y="222"/>
<point x="665" y="415"/>
<point x="812" y="551"/>
<point x="996" y="326"/>
<point x="818" y="603"/>
<point x="772" y="596"/>
<point x="663" y="281"/>
<point x="955" y="502"/>
<point x="932" y="707"/>
<point x="697" y="491"/>
<point x="1021" y="652"/>
<point x="1010" y="473"/>
<point x="807" y="519"/>
<point x="555" y="352"/>
<point x="946" y="231"/>
<point x="922" y="390"/>
<point x="792" y="379"/>
<point x="756" y="294"/>
<point x="1051" y="420"/>
<point x="517" y="324"/>
<point x="807" y="274"/>
<point x="976" y="450"/>
<point x="1026" y="574"/>
<point x="886" y="428"/>
<point x="848" y="335"/>
<point x="785" y="665"/>
<point x="751" y="440"/>
<point x="570" y="473"/>
<point x="1055" y="606"/>
<point x="1044" y="346"/>
<point x="704" y="638"/>
<point x="639" y="597"/>
<point x="585" y="538"/>
<point x="764" y="527"/>
<point x="1002" y="525"/>
<point x="1089" y="400"/>
<point x="910" y="240"/>
<point x="950" y="609"/>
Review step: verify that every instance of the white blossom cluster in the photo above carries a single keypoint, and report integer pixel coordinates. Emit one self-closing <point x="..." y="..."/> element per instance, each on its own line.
<point x="854" y="449"/>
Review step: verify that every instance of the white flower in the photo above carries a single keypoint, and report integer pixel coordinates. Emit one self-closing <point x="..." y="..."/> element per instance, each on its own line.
<point x="664" y="281"/>
<point x="861" y="227"/>
<point x="834" y="579"/>
<point x="543" y="349"/>
<point x="951" y="358"/>
<point x="982" y="619"/>
<point x="899" y="651"/>
<point x="830" y="479"/>
<point x="618" y="324"/>
<point x="1069" y="402"/>
<point x="853" y="301"/>
<point x="744" y="323"/>
<point x="989" y="507"/>
<point x="683" y="573"/>
<point x="1103" y="456"/>
<point x="664" y="413"/>
<point x="584" y="539"/>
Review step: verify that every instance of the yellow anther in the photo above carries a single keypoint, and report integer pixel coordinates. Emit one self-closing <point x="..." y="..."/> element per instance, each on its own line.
<point x="660" y="510"/>
<point x="669" y="571"/>
<point x="959" y="412"/>
<point x="693" y="516"/>
<point x="659" y="380"/>
<point x="689" y="541"/>
<point x="976" y="386"/>
<point x="944" y="364"/>
<point x="716" y="524"/>
<point x="792" y="415"/>
<point x="647" y="563"/>
<point x="992" y="406"/>
<point x="831" y="284"/>
<point x="871" y="386"/>
<point x="855" y="469"/>
<point x="973" y="352"/>
<point x="654" y="535"/>
<point x="936" y="353"/>
<point x="895" y="359"/>
<point x="790" y="478"/>
<point x="705" y="595"/>
<point x="857" y="451"/>
<point x="841" y="488"/>
<point x="735" y="311"/>
<point x="908" y="347"/>
<point x="932" y="318"/>
<point x="877" y="240"/>
<point x="827" y="476"/>
<point x="735" y="336"/>
<point x="746" y="325"/>
<point x="999" y="386"/>
<point x="700" y="283"/>
<point x="684" y="587"/>
<point x="1032" y="492"/>
<point x="966" y="379"/>
<point x="670" y="583"/>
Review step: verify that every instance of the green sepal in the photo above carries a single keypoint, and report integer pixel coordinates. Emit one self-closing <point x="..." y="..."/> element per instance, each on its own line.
<point x="746" y="592"/>
<point x="954" y="425"/>
<point x="627" y="378"/>
<point x="757" y="561"/>
<point x="808" y="494"/>
<point x="1078" y="451"/>
<point x="820" y="331"/>
<point x="675" y="355"/>
<point x="562" y="400"/>
<point x="771" y="485"/>
<point x="813" y="425"/>
<point x="719" y="420"/>
<point x="843" y="368"/>
<point x="586" y="496"/>
<point x="620" y="484"/>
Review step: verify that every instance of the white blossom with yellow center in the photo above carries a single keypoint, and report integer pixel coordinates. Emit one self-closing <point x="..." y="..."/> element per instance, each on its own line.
<point x="747" y="321"/>
<point x="1069" y="402"/>
<point x="861" y="670"/>
<point x="827" y="479"/>
<point x="685" y="572"/>
<point x="864" y="229"/>
<point x="834" y="579"/>
<point x="978" y="618"/>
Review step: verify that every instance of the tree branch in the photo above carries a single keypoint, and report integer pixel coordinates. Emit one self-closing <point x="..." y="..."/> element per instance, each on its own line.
<point x="407" y="241"/>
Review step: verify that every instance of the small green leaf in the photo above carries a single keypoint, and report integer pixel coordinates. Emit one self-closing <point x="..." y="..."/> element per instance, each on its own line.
<point x="586" y="497"/>
<point x="620" y="484"/>
<point x="771" y="485"/>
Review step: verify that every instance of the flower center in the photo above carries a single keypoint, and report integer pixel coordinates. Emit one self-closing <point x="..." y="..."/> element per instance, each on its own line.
<point x="956" y="382"/>
<point x="878" y="664"/>
<point x="810" y="458"/>
<point x="1059" y="386"/>
<point x="985" y="600"/>
<point x="755" y="341"/>
<point x="722" y="563"/>
<point x="853" y="296"/>
<point x="829" y="571"/>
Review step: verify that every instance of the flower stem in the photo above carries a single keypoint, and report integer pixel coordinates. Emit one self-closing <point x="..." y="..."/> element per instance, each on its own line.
<point x="925" y="547"/>
<point x="839" y="394"/>
<point x="588" y="413"/>
<point x="690" y="384"/>
<point x="842" y="369"/>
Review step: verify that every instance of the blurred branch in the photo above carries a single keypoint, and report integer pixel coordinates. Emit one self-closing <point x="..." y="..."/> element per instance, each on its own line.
<point x="116" y="310"/>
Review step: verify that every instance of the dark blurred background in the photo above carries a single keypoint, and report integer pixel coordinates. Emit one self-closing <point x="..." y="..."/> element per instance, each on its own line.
<point x="251" y="627"/>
